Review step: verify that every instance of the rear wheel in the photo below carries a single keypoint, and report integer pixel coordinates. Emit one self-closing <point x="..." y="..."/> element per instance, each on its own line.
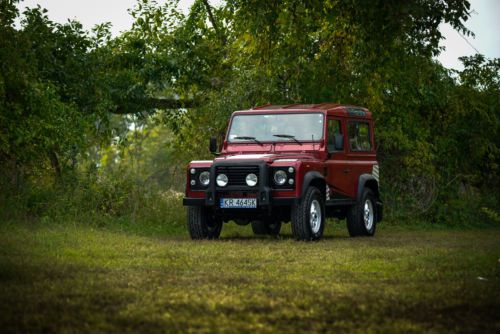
<point x="202" y="224"/>
<point x="266" y="227"/>
<point x="361" y="219"/>
<point x="308" y="216"/>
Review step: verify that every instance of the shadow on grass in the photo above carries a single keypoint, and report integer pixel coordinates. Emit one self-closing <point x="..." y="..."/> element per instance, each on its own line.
<point x="284" y="237"/>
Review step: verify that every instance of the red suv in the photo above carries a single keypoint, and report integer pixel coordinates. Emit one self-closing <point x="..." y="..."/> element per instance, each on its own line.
<point x="288" y="163"/>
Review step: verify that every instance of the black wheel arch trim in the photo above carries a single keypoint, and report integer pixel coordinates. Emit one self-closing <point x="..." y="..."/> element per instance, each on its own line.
<point x="363" y="180"/>
<point x="308" y="179"/>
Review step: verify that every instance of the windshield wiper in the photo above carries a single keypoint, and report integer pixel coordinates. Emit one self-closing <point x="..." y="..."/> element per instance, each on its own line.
<point x="289" y="137"/>
<point x="248" y="138"/>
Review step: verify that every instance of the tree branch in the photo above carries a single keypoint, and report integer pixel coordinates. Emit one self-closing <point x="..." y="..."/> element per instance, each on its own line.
<point x="133" y="107"/>
<point x="214" y="23"/>
<point x="170" y="103"/>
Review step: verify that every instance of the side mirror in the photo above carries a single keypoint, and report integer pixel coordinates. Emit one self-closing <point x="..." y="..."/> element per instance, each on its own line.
<point x="339" y="142"/>
<point x="213" y="145"/>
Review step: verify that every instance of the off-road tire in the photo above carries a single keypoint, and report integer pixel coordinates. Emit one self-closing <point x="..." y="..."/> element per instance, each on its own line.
<point x="356" y="216"/>
<point x="266" y="227"/>
<point x="301" y="216"/>
<point x="201" y="224"/>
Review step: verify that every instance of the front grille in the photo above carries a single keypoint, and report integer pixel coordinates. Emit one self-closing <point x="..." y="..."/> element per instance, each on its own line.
<point x="238" y="174"/>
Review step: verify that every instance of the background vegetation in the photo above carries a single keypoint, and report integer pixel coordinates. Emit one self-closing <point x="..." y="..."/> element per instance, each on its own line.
<point x="98" y="129"/>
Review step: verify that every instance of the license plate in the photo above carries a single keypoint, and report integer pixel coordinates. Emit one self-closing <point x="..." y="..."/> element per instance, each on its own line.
<point x="237" y="203"/>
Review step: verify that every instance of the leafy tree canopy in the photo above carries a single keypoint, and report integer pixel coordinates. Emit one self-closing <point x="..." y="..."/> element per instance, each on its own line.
<point x="66" y="92"/>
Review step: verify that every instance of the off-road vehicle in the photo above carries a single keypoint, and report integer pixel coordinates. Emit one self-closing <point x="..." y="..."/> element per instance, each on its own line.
<point x="288" y="163"/>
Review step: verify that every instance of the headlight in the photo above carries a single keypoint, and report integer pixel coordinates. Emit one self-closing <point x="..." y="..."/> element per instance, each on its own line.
<point x="192" y="171"/>
<point x="222" y="180"/>
<point x="204" y="178"/>
<point x="280" y="177"/>
<point x="251" y="180"/>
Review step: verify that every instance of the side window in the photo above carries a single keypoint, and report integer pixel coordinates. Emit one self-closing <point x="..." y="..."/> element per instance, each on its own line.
<point x="334" y="128"/>
<point x="359" y="136"/>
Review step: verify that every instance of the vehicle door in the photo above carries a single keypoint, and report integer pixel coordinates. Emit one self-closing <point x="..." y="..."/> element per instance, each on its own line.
<point x="338" y="177"/>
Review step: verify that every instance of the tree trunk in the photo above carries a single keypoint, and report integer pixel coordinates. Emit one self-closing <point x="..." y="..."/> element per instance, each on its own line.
<point x="54" y="160"/>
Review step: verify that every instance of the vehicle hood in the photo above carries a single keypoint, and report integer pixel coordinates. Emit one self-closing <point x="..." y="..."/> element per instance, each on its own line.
<point x="267" y="157"/>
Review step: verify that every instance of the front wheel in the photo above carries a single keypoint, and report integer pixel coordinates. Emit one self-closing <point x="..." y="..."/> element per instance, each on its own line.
<point x="202" y="224"/>
<point x="308" y="216"/>
<point x="361" y="219"/>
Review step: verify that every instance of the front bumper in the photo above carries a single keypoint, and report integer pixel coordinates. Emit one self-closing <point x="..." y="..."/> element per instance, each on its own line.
<point x="262" y="192"/>
<point x="276" y="201"/>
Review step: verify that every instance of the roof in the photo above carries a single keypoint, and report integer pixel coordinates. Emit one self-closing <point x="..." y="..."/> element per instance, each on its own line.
<point x="332" y="108"/>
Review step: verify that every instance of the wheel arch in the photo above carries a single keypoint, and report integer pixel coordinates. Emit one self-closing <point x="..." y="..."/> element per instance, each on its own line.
<point x="315" y="179"/>
<point x="370" y="182"/>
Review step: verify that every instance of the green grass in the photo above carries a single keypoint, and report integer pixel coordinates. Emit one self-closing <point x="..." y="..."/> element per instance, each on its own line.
<point x="56" y="278"/>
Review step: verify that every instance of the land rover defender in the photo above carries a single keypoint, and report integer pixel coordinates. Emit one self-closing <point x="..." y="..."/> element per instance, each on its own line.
<point x="288" y="163"/>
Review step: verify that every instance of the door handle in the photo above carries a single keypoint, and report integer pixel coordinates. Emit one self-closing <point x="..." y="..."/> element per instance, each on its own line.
<point x="347" y="170"/>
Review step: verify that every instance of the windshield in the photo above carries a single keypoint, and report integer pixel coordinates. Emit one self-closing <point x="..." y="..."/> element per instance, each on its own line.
<point x="276" y="127"/>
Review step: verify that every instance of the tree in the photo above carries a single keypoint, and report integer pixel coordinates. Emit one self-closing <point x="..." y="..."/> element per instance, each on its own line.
<point x="65" y="93"/>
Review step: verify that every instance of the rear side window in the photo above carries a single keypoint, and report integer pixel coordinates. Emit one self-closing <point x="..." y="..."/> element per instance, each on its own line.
<point x="359" y="136"/>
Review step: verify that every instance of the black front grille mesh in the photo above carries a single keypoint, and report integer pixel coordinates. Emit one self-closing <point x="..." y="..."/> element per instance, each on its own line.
<point x="237" y="174"/>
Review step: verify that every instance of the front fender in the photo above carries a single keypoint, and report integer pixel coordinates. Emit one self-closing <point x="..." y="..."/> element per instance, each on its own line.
<point x="309" y="178"/>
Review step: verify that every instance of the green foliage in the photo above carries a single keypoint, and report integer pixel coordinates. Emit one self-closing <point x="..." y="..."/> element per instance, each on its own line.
<point x="47" y="105"/>
<point x="80" y="111"/>
<point x="134" y="180"/>
<point x="379" y="56"/>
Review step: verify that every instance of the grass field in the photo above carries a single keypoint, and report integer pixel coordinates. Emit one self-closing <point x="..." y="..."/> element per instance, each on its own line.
<point x="57" y="278"/>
